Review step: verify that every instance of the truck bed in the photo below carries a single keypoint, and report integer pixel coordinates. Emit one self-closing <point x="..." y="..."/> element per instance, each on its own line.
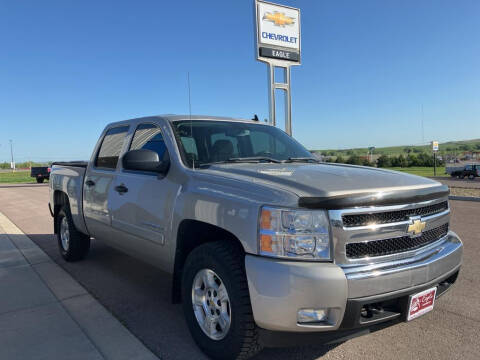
<point x="82" y="164"/>
<point x="450" y="169"/>
<point x="67" y="177"/>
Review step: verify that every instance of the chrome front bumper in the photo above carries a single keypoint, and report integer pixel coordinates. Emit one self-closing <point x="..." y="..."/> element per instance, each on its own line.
<point x="278" y="289"/>
<point x="433" y="261"/>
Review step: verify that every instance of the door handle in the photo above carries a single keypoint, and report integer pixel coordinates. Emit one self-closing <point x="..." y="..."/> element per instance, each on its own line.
<point x="90" y="183"/>
<point x="121" y="189"/>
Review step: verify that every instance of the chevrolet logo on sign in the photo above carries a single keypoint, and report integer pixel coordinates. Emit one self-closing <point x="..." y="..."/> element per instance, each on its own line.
<point x="416" y="227"/>
<point x="278" y="18"/>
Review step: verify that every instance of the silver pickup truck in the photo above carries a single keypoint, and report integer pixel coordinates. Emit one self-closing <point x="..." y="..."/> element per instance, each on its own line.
<point x="267" y="246"/>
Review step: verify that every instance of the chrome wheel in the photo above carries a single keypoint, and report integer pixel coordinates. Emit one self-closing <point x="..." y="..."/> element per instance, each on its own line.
<point x="65" y="234"/>
<point x="211" y="304"/>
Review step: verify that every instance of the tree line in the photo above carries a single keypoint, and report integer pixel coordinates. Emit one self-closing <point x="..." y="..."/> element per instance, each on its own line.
<point x="22" y="165"/>
<point x="422" y="159"/>
<point x="385" y="161"/>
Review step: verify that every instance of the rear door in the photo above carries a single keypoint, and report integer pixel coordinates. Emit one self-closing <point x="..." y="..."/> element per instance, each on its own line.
<point x="142" y="211"/>
<point x="98" y="182"/>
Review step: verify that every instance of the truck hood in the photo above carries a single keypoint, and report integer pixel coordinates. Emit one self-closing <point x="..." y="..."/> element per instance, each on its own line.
<point x="322" y="185"/>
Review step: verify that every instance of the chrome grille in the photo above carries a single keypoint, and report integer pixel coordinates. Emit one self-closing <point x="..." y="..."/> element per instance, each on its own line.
<point x="386" y="240"/>
<point x="392" y="246"/>
<point x="353" y="220"/>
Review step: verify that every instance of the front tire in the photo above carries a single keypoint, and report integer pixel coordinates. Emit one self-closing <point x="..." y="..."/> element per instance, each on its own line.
<point x="216" y="301"/>
<point x="73" y="244"/>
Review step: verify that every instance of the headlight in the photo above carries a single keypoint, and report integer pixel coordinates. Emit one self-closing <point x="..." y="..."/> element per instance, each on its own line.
<point x="290" y="233"/>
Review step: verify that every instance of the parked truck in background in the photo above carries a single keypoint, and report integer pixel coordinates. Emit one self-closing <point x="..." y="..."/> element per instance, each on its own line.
<point x="266" y="245"/>
<point x="470" y="171"/>
<point x="40" y="173"/>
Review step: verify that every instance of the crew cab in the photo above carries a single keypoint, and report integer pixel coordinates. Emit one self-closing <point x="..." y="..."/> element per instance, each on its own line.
<point x="471" y="171"/>
<point x="266" y="245"/>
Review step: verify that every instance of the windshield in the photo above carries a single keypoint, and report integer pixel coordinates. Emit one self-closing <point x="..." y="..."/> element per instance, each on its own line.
<point x="205" y="142"/>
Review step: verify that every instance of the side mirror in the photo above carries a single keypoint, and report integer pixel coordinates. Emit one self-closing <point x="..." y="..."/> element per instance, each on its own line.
<point x="144" y="160"/>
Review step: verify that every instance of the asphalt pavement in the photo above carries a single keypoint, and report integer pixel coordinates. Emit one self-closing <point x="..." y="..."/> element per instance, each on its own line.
<point x="138" y="295"/>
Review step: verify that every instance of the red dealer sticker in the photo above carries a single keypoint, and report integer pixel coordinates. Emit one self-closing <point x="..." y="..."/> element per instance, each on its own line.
<point x="421" y="303"/>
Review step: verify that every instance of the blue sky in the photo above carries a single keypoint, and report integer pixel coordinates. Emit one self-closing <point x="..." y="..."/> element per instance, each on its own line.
<point x="67" y="68"/>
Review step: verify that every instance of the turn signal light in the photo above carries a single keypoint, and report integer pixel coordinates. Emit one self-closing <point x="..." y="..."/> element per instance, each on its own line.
<point x="266" y="220"/>
<point x="266" y="243"/>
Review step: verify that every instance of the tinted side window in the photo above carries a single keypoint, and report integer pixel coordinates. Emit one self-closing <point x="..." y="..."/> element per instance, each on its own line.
<point x="111" y="147"/>
<point x="149" y="136"/>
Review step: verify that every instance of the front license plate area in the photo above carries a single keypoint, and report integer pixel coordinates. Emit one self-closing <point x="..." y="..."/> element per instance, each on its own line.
<point x="421" y="303"/>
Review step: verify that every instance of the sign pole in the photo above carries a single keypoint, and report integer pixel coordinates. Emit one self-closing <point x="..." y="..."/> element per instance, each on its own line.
<point x="271" y="96"/>
<point x="285" y="86"/>
<point x="288" y="103"/>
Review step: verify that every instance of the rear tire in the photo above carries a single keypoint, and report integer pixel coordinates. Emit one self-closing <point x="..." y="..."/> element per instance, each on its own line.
<point x="40" y="180"/>
<point x="471" y="177"/>
<point x="462" y="176"/>
<point x="224" y="261"/>
<point x="73" y="244"/>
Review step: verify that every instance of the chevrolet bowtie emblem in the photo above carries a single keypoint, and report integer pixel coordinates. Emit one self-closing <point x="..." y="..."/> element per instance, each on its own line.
<point x="278" y="18"/>
<point x="416" y="227"/>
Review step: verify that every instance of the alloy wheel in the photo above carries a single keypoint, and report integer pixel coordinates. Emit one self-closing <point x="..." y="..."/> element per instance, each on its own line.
<point x="211" y="304"/>
<point x="65" y="234"/>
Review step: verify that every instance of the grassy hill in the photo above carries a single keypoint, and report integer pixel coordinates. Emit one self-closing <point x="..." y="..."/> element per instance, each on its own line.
<point x="450" y="147"/>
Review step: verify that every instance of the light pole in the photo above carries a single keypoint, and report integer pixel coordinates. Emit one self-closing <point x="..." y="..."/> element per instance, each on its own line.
<point x="11" y="153"/>
<point x="371" y="149"/>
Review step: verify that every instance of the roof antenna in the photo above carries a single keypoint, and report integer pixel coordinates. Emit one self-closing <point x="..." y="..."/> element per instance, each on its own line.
<point x="190" y="114"/>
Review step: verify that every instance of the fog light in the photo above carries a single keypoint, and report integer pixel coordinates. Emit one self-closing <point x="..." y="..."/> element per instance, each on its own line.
<point x="305" y="316"/>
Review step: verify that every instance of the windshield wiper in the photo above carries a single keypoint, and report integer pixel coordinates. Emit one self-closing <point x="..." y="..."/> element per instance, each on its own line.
<point x="256" y="159"/>
<point x="301" y="159"/>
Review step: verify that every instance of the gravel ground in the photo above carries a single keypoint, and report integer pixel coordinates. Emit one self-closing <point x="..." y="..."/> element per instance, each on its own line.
<point x="461" y="187"/>
<point x="464" y="192"/>
<point x="460" y="183"/>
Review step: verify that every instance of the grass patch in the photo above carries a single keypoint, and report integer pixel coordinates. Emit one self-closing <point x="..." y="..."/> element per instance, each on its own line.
<point x="17" y="177"/>
<point x="447" y="147"/>
<point x="421" y="171"/>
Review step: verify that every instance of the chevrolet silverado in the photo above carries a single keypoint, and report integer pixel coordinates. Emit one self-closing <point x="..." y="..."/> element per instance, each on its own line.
<point x="266" y="245"/>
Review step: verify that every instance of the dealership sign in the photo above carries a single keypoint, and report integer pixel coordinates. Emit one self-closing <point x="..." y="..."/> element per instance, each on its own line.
<point x="277" y="43"/>
<point x="277" y="32"/>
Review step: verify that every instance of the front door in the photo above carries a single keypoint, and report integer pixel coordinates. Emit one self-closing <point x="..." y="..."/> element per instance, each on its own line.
<point x="142" y="202"/>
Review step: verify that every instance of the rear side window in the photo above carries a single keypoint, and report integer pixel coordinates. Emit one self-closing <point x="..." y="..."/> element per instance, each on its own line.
<point x="149" y="136"/>
<point x="111" y="147"/>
